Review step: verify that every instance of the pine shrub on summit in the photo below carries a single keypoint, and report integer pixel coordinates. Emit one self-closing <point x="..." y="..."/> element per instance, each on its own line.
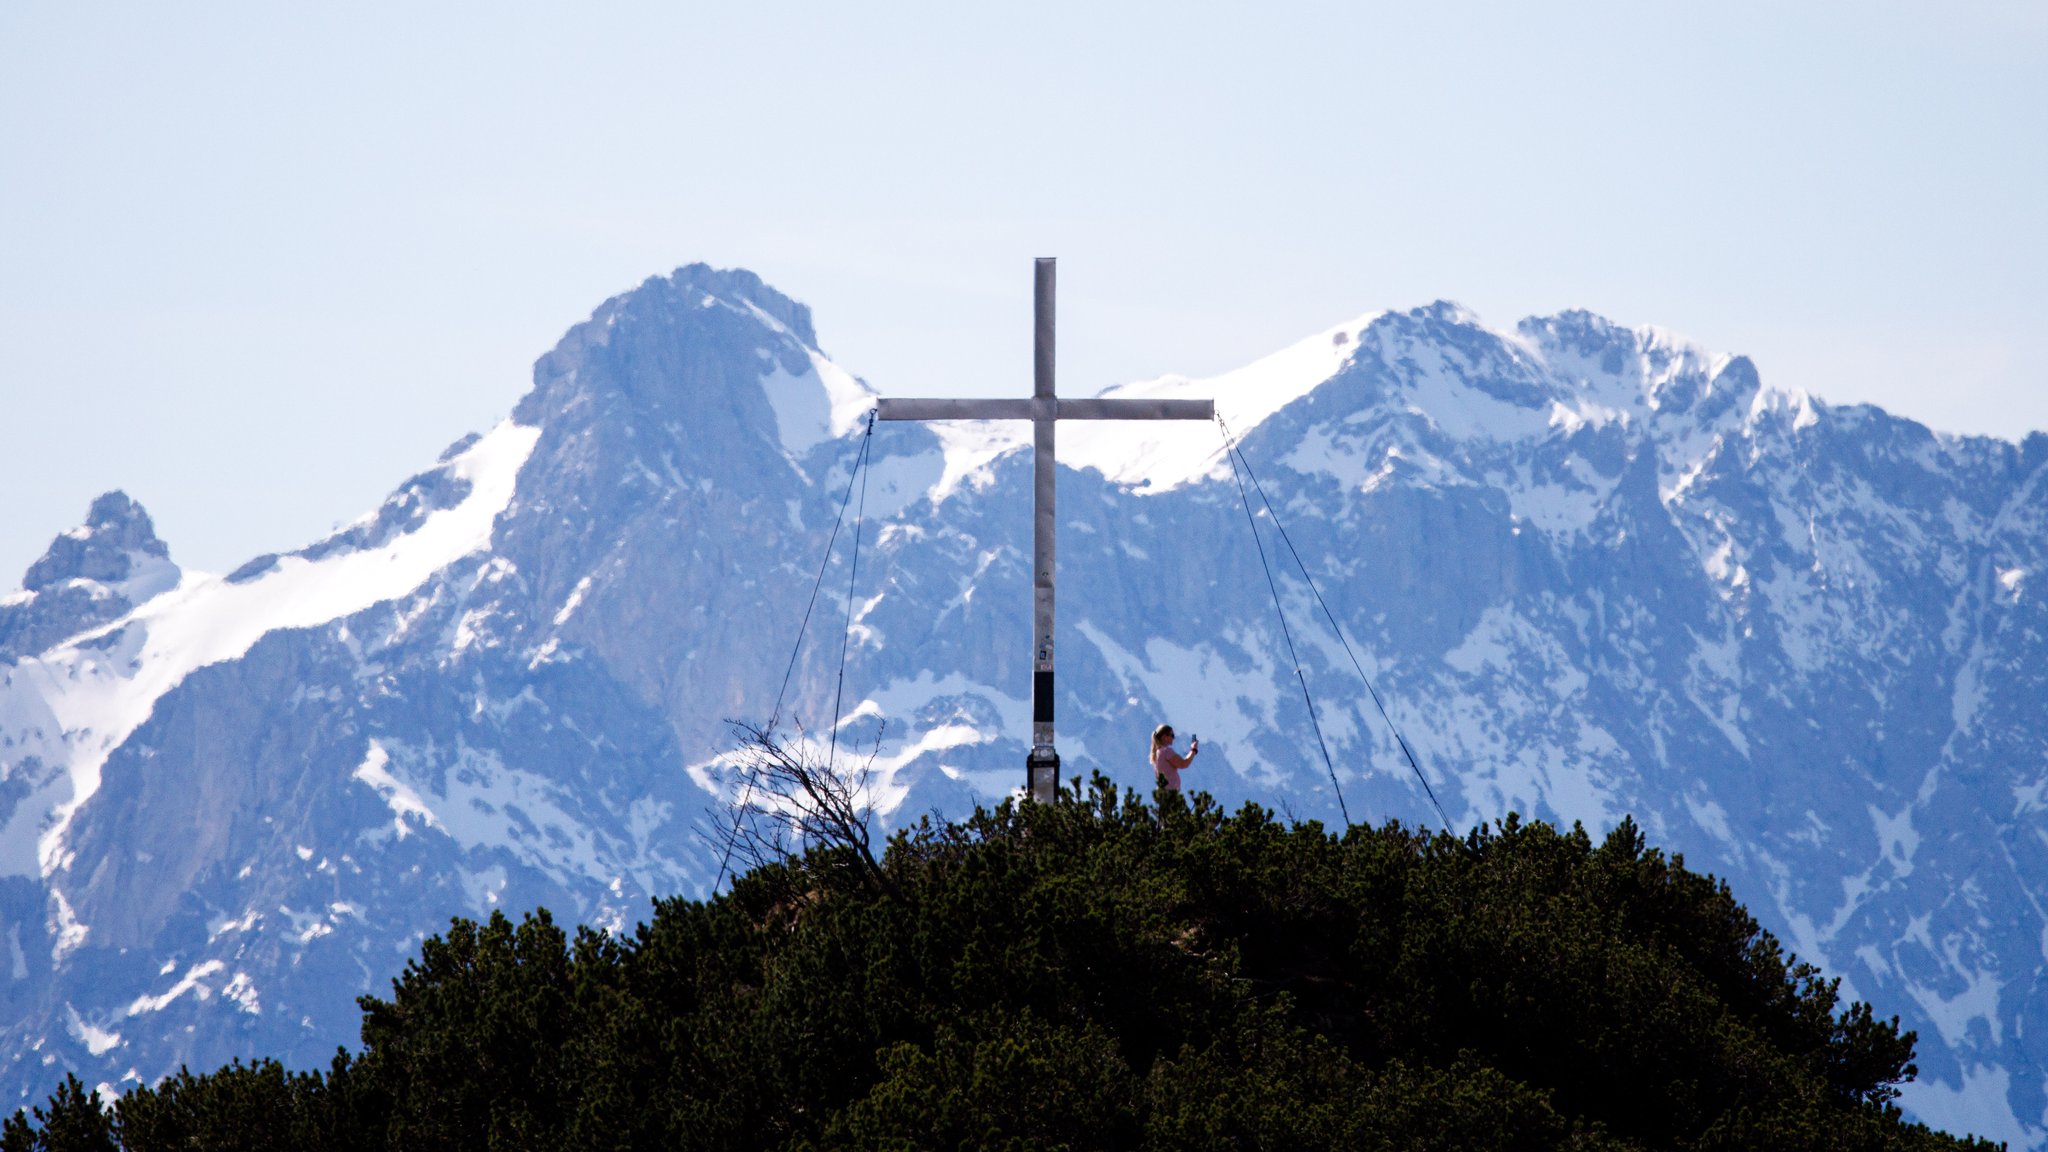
<point x="1099" y="973"/>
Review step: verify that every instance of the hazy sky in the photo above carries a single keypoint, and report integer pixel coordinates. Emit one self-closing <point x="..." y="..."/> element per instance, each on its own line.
<point x="260" y="262"/>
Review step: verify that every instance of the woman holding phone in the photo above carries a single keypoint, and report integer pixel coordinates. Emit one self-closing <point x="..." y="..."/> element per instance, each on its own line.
<point x="1166" y="763"/>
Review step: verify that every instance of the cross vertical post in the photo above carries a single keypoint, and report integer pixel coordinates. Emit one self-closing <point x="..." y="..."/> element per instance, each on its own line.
<point x="1042" y="766"/>
<point x="1044" y="409"/>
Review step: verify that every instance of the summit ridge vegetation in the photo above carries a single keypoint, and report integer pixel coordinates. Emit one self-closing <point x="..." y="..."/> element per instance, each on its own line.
<point x="1101" y="972"/>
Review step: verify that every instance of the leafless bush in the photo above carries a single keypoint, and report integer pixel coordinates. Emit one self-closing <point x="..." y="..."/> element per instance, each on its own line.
<point x="791" y="804"/>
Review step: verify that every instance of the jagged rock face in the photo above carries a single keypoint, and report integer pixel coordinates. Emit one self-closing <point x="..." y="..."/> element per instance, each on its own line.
<point x="1594" y="570"/>
<point x="115" y="533"/>
<point x="92" y="574"/>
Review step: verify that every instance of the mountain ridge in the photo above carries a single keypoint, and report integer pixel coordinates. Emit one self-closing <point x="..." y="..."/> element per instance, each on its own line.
<point x="1717" y="611"/>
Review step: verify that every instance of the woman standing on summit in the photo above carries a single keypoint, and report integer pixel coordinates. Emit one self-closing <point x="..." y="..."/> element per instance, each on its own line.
<point x="1167" y="763"/>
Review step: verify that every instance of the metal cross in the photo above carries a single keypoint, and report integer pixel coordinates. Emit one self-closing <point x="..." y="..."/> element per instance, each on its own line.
<point x="1043" y="409"/>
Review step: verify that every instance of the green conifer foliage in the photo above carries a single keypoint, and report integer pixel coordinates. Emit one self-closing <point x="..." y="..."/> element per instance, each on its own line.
<point x="72" y="1121"/>
<point x="1098" y="973"/>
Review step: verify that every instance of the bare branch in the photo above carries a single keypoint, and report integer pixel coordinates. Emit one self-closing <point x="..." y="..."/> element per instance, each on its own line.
<point x="791" y="804"/>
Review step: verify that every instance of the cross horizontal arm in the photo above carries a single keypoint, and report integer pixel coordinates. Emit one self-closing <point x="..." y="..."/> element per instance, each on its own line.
<point x="952" y="408"/>
<point x="1137" y="409"/>
<point x="958" y="408"/>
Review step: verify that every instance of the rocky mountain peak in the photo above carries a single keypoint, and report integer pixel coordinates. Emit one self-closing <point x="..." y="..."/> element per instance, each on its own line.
<point x="666" y="341"/>
<point x="738" y="284"/>
<point x="90" y="575"/>
<point x="105" y="548"/>
<point x="1587" y="333"/>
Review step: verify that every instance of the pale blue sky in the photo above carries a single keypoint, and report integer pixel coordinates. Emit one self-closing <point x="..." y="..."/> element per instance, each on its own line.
<point x="259" y="263"/>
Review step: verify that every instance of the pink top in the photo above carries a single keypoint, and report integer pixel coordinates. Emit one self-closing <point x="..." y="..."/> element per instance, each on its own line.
<point x="1168" y="763"/>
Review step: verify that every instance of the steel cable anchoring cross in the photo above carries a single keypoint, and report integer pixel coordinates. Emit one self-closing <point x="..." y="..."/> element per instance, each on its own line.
<point x="860" y="458"/>
<point x="852" y="575"/>
<point x="1235" y="451"/>
<point x="1286" y="633"/>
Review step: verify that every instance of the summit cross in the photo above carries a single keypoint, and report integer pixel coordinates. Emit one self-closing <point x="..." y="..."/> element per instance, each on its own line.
<point x="1044" y="410"/>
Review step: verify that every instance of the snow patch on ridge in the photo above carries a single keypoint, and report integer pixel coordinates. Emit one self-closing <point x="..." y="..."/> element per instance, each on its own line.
<point x="97" y="1040"/>
<point x="823" y="402"/>
<point x="190" y="982"/>
<point x="1977" y="1106"/>
<point x="482" y="803"/>
<point x="402" y="797"/>
<point x="1165" y="454"/>
<point x="1978" y="1000"/>
<point x="813" y="406"/>
<point x="970" y="447"/>
<point x="574" y="601"/>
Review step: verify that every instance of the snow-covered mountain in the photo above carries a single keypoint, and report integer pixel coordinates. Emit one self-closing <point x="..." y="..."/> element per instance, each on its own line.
<point x="1596" y="571"/>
